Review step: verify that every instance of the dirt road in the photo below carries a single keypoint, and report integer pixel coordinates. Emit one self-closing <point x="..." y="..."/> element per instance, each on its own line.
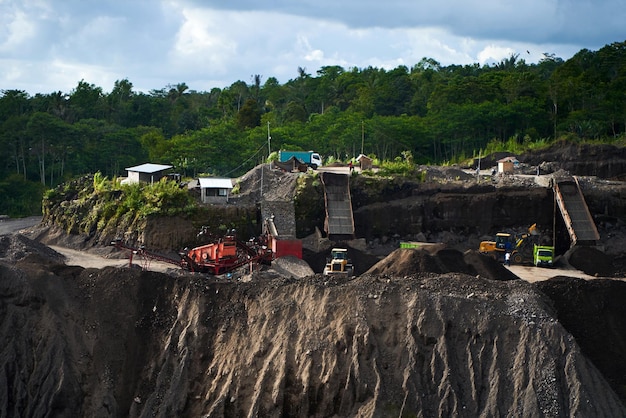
<point x="536" y="274"/>
<point x="11" y="225"/>
<point x="88" y="260"/>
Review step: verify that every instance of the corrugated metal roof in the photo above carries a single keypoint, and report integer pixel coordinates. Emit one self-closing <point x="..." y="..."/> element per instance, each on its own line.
<point x="215" y="183"/>
<point x="149" y="168"/>
<point x="508" y="160"/>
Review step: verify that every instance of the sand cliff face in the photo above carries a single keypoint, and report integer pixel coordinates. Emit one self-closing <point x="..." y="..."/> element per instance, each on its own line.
<point x="124" y="342"/>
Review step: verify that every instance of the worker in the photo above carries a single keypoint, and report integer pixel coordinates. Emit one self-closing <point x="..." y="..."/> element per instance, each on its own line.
<point x="507" y="258"/>
<point x="351" y="166"/>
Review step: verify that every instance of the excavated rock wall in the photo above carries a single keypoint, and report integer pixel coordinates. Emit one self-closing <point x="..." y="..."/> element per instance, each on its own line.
<point x="467" y="211"/>
<point x="601" y="160"/>
<point x="450" y="201"/>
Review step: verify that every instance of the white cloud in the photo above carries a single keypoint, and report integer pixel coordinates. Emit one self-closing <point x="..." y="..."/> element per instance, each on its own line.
<point x="493" y="53"/>
<point x="71" y="73"/>
<point x="15" y="30"/>
<point x="49" y="45"/>
<point x="315" y="56"/>
<point x="199" y="42"/>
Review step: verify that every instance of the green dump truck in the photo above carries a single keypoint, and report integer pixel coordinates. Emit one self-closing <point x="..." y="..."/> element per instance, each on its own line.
<point x="543" y="256"/>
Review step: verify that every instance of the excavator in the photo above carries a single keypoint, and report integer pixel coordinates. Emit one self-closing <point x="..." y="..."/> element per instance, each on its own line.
<point x="519" y="246"/>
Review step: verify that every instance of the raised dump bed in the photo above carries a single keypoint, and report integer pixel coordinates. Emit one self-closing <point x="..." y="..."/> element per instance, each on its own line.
<point x="339" y="218"/>
<point x="578" y="219"/>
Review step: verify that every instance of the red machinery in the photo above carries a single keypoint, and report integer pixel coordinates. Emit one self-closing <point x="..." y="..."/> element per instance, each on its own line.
<point x="225" y="255"/>
<point x="220" y="257"/>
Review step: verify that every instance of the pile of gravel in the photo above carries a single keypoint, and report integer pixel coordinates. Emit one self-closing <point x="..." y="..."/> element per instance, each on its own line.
<point x="17" y="247"/>
<point x="405" y="261"/>
<point x="263" y="181"/>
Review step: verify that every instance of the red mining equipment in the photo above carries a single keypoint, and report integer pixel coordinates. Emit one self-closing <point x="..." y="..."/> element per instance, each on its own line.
<point x="224" y="255"/>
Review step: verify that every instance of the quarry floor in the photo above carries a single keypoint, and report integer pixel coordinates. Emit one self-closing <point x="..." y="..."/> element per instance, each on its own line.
<point x="90" y="259"/>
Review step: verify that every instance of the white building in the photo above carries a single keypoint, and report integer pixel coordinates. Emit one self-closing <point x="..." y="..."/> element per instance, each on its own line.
<point x="214" y="189"/>
<point x="147" y="173"/>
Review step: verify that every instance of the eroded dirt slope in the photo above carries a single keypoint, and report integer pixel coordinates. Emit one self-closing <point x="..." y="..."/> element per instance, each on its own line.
<point x="125" y="342"/>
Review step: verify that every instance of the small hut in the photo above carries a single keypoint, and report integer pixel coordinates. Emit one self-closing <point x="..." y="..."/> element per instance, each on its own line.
<point x="215" y="190"/>
<point x="507" y="165"/>
<point x="147" y="173"/>
<point x="365" y="162"/>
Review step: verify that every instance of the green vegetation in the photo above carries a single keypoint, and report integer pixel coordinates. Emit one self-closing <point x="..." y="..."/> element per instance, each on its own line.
<point x="98" y="202"/>
<point x="403" y="166"/>
<point x="19" y="197"/>
<point x="438" y="114"/>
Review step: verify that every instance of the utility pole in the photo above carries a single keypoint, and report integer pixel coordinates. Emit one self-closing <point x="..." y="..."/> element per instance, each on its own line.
<point x="269" y="151"/>
<point x="362" y="135"/>
<point x="269" y="138"/>
<point x="261" y="191"/>
<point x="478" y="167"/>
<point x="553" y="219"/>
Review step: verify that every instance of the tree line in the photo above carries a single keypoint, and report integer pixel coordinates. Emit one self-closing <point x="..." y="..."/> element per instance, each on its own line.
<point x="437" y="113"/>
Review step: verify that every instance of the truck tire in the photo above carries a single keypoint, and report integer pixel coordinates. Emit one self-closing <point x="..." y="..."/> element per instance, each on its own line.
<point x="517" y="258"/>
<point x="314" y="166"/>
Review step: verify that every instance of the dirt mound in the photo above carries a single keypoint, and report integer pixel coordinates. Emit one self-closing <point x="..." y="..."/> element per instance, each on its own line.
<point x="290" y="266"/>
<point x="439" y="260"/>
<point x="434" y="173"/>
<point x="272" y="184"/>
<point x="590" y="260"/>
<point x="595" y="313"/>
<point x="16" y="247"/>
<point x="404" y="261"/>
<point x="124" y="342"/>
<point x="487" y="267"/>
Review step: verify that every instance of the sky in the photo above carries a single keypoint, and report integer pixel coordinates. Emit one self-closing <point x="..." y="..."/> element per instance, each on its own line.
<point x="48" y="46"/>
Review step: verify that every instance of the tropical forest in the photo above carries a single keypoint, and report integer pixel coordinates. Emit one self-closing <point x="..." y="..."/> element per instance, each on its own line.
<point x="428" y="113"/>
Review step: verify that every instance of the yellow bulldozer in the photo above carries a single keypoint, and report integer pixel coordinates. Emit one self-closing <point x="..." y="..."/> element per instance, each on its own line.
<point x="519" y="246"/>
<point x="339" y="264"/>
